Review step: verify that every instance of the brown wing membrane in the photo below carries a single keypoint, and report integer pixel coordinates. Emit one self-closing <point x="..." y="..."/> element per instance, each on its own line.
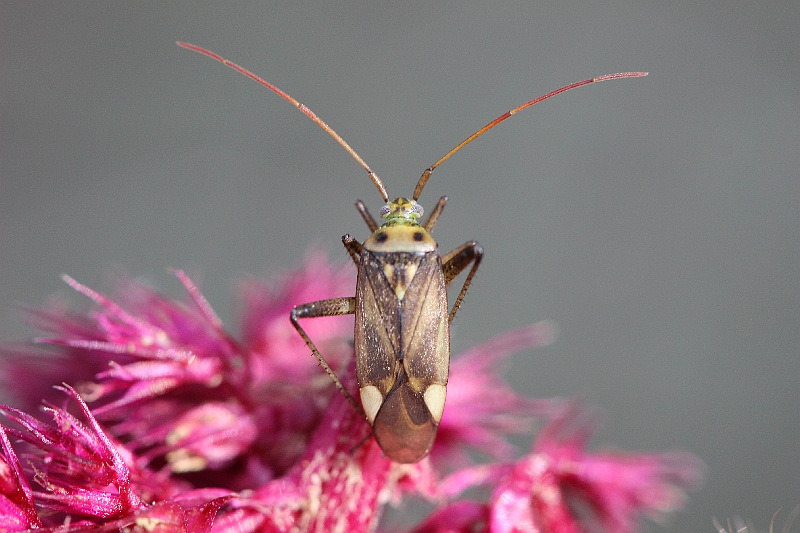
<point x="377" y="326"/>
<point x="404" y="428"/>
<point x="425" y="330"/>
<point x="413" y="329"/>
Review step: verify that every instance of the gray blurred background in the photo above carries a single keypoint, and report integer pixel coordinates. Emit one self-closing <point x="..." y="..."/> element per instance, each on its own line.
<point x="655" y="219"/>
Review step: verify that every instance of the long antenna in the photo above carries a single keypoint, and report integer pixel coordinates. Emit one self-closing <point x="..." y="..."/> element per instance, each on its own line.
<point x="427" y="173"/>
<point x="302" y="107"/>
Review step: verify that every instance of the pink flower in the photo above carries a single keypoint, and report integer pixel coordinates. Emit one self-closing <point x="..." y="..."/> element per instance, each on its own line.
<point x="560" y="487"/>
<point x="191" y="429"/>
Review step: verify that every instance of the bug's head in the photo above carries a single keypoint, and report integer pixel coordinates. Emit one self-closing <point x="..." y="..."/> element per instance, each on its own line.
<point x="400" y="231"/>
<point x="401" y="211"/>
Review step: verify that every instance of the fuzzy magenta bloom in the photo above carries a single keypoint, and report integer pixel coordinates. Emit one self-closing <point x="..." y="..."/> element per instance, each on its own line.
<point x="175" y="425"/>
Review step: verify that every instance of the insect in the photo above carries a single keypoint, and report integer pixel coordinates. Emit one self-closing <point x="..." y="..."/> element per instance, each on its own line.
<point x="402" y="322"/>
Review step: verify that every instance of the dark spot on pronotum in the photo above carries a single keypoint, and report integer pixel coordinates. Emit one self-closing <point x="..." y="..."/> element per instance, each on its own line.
<point x="381" y="237"/>
<point x="418" y="236"/>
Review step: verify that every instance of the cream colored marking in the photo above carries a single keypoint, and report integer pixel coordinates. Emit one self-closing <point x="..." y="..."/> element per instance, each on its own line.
<point x="400" y="283"/>
<point x="434" y="399"/>
<point x="400" y="290"/>
<point x="410" y="271"/>
<point x="371" y="401"/>
<point x="388" y="271"/>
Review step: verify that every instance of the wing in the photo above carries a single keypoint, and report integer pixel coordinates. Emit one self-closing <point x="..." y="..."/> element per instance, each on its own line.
<point x="377" y="325"/>
<point x="425" y="327"/>
<point x="401" y="316"/>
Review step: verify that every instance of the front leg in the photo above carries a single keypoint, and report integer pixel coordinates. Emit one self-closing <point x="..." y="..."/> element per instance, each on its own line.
<point x="332" y="307"/>
<point x="353" y="248"/>
<point x="455" y="262"/>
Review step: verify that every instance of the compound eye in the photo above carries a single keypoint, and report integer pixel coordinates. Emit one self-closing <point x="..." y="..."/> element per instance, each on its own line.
<point x="417" y="209"/>
<point x="384" y="210"/>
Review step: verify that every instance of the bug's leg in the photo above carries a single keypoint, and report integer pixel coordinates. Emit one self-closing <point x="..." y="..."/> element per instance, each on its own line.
<point x="332" y="307"/>
<point x="353" y="247"/>
<point x="430" y="222"/>
<point x="455" y="262"/>
<point x="365" y="214"/>
<point x="362" y="441"/>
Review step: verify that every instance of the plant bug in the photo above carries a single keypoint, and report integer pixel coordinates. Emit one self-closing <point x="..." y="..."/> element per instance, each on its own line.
<point x="402" y="323"/>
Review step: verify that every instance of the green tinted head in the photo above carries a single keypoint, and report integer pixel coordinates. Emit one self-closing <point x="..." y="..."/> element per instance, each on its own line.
<point x="401" y="211"/>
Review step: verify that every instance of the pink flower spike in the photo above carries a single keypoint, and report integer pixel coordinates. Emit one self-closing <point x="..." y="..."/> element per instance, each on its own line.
<point x="109" y="453"/>
<point x="170" y="517"/>
<point x="457" y="517"/>
<point x="562" y="488"/>
<point x="149" y="326"/>
<point x="16" y="497"/>
<point x="193" y="431"/>
<point x="83" y="472"/>
<point x="209" y="437"/>
<point x="199" y="300"/>
<point x="146" y="333"/>
<point x="475" y="476"/>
